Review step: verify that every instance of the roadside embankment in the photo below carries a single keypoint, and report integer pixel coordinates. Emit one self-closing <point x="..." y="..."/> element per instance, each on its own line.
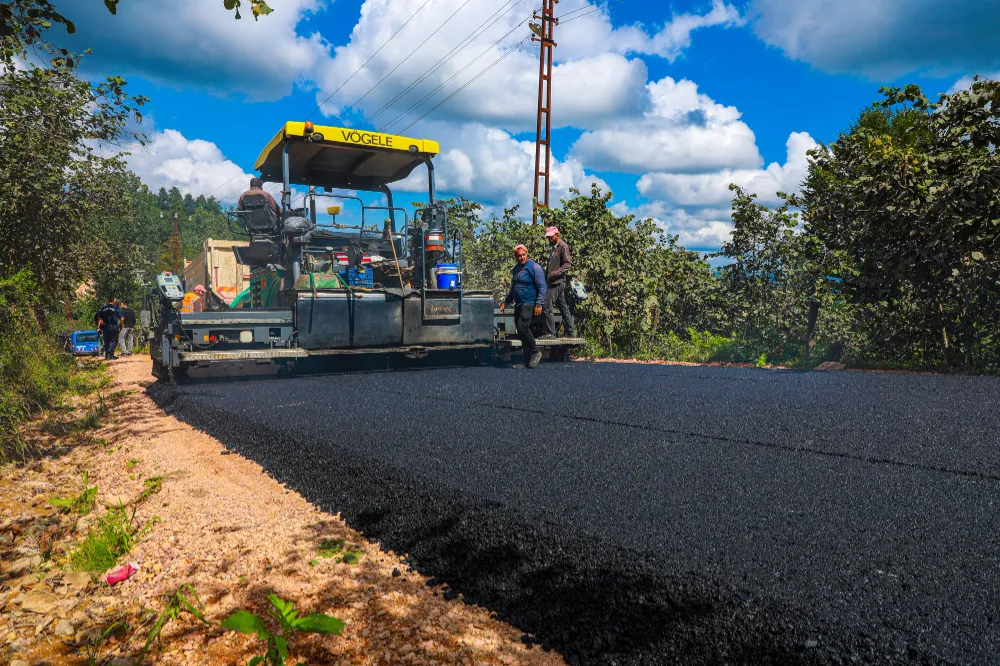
<point x="199" y="517"/>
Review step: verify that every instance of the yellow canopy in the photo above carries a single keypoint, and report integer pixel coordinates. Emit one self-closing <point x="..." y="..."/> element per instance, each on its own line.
<point x="341" y="157"/>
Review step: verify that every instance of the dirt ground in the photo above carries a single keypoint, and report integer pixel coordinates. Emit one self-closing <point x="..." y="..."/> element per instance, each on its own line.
<point x="220" y="524"/>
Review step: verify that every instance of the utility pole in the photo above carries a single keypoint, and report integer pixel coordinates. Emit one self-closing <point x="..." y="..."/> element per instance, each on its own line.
<point x="544" y="36"/>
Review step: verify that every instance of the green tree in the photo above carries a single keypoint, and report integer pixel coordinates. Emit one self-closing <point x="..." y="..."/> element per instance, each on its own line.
<point x="909" y="197"/>
<point x="59" y="184"/>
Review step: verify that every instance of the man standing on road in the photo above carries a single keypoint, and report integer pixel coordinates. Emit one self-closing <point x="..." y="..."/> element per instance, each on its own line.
<point x="527" y="293"/>
<point x="555" y="281"/>
<point x="127" y="335"/>
<point x="110" y="323"/>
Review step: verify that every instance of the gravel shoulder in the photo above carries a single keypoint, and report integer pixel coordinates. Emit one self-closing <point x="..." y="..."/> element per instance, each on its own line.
<point x="221" y="524"/>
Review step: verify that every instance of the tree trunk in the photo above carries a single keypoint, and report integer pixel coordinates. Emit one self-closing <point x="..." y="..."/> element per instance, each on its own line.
<point x="811" y="328"/>
<point x="944" y="338"/>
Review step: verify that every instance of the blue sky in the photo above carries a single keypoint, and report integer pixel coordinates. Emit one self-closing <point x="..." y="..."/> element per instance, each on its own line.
<point x="666" y="103"/>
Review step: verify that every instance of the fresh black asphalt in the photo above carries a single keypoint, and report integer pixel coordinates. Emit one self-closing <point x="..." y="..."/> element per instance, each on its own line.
<point x="644" y="514"/>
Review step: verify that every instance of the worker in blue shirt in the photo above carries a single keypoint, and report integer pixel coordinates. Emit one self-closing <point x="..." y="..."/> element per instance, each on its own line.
<point x="527" y="293"/>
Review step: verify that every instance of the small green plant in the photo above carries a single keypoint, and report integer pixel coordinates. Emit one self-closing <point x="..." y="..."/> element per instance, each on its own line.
<point x="112" y="538"/>
<point x="93" y="648"/>
<point x="153" y="485"/>
<point x="761" y="361"/>
<point x="132" y="463"/>
<point x="83" y="502"/>
<point x="177" y="603"/>
<point x="337" y="548"/>
<point x="288" y="620"/>
<point x="331" y="547"/>
<point x="313" y="562"/>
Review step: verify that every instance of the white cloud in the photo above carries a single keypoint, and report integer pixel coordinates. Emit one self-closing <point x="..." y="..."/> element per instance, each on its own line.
<point x="578" y="37"/>
<point x="702" y="229"/>
<point x="966" y="81"/>
<point x="884" y="39"/>
<point x="712" y="189"/>
<point x="491" y="166"/>
<point x="594" y="80"/>
<point x="696" y="207"/>
<point x="683" y="131"/>
<point x="194" y="166"/>
<point x="196" y="43"/>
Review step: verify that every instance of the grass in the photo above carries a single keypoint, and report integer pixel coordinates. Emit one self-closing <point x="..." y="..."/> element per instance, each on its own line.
<point x="338" y="549"/>
<point x="113" y="537"/>
<point x="83" y="502"/>
<point x="132" y="463"/>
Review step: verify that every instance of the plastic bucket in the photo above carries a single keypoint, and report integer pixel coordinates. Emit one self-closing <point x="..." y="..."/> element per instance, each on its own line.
<point x="447" y="276"/>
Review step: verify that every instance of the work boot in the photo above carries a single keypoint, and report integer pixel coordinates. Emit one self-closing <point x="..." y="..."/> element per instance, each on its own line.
<point x="535" y="358"/>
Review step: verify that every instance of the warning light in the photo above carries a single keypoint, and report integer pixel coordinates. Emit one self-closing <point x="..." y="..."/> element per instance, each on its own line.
<point x="333" y="210"/>
<point x="309" y="127"/>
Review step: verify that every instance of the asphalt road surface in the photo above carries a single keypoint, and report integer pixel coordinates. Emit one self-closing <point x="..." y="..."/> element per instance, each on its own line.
<point x="643" y="514"/>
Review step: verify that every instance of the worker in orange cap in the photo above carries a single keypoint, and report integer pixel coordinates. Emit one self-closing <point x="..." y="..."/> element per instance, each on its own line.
<point x="527" y="293"/>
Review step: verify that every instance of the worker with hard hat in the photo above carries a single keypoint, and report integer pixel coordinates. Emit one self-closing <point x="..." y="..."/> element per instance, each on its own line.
<point x="556" y="277"/>
<point x="527" y="293"/>
<point x="194" y="301"/>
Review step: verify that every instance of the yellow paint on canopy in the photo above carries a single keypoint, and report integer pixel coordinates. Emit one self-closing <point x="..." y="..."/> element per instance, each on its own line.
<point x="347" y="136"/>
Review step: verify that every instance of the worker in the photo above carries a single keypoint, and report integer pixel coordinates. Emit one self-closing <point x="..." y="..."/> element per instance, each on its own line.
<point x="257" y="189"/>
<point x="527" y="293"/>
<point x="194" y="301"/>
<point x="126" y="337"/>
<point x="109" y="323"/>
<point x="556" y="276"/>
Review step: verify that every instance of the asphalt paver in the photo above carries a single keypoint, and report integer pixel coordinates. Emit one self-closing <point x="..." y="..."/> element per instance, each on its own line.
<point x="650" y="514"/>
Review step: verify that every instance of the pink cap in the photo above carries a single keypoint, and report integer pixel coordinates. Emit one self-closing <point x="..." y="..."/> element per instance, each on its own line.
<point x="520" y="247"/>
<point x="551" y="231"/>
<point x="199" y="288"/>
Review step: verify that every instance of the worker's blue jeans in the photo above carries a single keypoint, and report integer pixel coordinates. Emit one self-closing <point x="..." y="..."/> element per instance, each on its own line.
<point x="110" y="342"/>
<point x="523" y="314"/>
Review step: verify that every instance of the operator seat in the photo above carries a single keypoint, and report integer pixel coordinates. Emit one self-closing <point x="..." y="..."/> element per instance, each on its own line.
<point x="259" y="219"/>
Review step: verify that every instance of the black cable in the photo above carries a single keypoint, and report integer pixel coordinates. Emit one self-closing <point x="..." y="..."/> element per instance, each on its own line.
<point x="489" y="48"/>
<point x="419" y="46"/>
<point x="483" y="27"/>
<point x="595" y="9"/>
<point x="365" y="63"/>
<point x="468" y="83"/>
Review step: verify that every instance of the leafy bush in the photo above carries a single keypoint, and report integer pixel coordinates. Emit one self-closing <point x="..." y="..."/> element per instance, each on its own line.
<point x="33" y="372"/>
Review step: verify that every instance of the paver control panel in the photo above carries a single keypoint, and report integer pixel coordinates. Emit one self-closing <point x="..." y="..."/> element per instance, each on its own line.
<point x="170" y="286"/>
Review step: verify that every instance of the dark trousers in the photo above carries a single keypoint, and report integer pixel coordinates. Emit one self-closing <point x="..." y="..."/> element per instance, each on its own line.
<point x="523" y="314"/>
<point x="556" y="295"/>
<point x="110" y="341"/>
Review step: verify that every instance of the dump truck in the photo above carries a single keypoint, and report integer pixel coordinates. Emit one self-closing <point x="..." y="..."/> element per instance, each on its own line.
<point x="382" y="281"/>
<point x="217" y="269"/>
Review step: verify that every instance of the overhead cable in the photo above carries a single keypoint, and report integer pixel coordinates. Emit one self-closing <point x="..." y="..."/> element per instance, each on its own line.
<point x="468" y="83"/>
<point x="419" y="46"/>
<point x="483" y="27"/>
<point x="597" y="8"/>
<point x="426" y="97"/>
<point x="365" y="63"/>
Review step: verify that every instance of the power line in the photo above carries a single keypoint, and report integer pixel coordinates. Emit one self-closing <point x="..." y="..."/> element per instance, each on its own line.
<point x="398" y="30"/>
<point x="419" y="46"/>
<point x="595" y="9"/>
<point x="426" y="97"/>
<point x="468" y="83"/>
<point x="483" y="27"/>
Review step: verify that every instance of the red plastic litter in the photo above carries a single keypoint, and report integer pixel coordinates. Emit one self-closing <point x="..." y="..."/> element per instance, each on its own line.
<point x="122" y="573"/>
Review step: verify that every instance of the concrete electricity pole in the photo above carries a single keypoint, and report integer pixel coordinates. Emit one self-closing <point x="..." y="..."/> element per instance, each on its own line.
<point x="544" y="36"/>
